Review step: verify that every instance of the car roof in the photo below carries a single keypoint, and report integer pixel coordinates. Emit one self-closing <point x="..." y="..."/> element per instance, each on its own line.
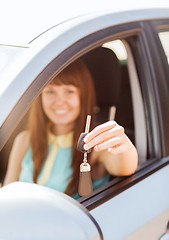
<point x="22" y="21"/>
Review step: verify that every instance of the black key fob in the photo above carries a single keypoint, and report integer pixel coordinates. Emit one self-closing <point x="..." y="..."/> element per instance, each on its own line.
<point x="81" y="143"/>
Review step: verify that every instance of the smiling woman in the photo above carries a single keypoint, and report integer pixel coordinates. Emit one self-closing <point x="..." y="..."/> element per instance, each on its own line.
<point x="57" y="118"/>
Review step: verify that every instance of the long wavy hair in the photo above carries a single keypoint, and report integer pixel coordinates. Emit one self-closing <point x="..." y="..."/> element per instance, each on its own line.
<point x="78" y="75"/>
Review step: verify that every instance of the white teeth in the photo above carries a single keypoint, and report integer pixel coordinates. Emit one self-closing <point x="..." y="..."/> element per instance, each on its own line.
<point x="60" y="111"/>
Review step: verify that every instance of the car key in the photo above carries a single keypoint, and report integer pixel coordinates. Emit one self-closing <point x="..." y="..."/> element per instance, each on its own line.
<point x="85" y="182"/>
<point x="81" y="143"/>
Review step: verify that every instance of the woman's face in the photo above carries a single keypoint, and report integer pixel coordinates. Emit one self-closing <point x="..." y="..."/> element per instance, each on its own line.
<point x="61" y="104"/>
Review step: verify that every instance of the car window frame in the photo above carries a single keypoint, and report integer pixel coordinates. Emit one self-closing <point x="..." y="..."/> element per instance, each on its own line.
<point x="159" y="59"/>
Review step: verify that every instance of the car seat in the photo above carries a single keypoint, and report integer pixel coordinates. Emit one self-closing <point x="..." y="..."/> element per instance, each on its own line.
<point x="112" y="86"/>
<point x="105" y="70"/>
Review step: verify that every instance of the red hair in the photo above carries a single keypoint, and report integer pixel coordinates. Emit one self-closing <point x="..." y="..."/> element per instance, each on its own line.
<point x="78" y="75"/>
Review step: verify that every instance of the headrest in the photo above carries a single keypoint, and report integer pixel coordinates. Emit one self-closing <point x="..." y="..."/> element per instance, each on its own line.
<point x="105" y="70"/>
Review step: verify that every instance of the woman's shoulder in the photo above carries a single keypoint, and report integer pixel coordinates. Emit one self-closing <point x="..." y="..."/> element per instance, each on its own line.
<point x="21" y="144"/>
<point x="17" y="153"/>
<point x="23" y="139"/>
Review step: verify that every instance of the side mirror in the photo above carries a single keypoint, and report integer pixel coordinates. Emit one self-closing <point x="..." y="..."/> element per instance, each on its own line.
<point x="29" y="211"/>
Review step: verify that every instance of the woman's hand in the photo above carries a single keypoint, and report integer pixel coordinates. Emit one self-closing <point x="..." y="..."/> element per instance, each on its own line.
<point x="108" y="136"/>
<point x="121" y="159"/>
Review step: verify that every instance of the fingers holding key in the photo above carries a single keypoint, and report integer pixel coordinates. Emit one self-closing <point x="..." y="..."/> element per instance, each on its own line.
<point x="109" y="136"/>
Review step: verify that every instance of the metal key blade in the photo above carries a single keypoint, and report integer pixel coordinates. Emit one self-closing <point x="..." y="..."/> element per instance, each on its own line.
<point x="88" y="123"/>
<point x="86" y="131"/>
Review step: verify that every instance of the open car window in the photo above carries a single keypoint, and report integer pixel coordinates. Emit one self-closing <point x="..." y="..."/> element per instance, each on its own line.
<point x="118" y="95"/>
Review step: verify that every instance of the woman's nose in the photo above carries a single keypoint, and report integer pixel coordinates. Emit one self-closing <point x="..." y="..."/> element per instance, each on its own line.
<point x="59" y="99"/>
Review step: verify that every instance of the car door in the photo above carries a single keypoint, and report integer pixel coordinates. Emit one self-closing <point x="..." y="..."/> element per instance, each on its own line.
<point x="144" y="207"/>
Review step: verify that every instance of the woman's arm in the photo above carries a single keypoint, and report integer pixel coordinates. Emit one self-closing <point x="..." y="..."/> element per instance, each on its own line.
<point x="18" y="151"/>
<point x="113" y="148"/>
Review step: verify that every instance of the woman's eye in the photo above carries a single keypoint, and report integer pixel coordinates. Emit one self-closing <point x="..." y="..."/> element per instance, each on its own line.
<point x="70" y="91"/>
<point x="49" y="92"/>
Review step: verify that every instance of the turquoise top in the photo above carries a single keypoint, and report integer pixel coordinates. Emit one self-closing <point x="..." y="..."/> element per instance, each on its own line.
<point x="61" y="171"/>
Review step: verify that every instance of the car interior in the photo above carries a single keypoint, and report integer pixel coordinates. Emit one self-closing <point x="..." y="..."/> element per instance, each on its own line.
<point x="113" y="79"/>
<point x="108" y="72"/>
